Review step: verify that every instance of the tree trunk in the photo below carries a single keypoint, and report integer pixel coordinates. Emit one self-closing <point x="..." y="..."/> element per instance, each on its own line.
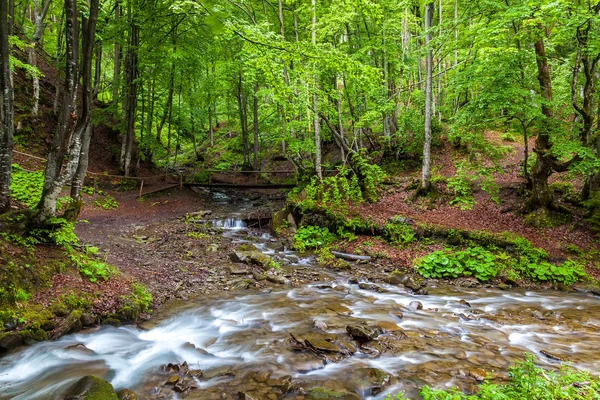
<point x="39" y="14"/>
<point x="6" y="111"/>
<point x="97" y="71"/>
<point x="131" y="74"/>
<point x="64" y="142"/>
<point x="255" y="125"/>
<point x="315" y="99"/>
<point x="117" y="61"/>
<point x="242" y="107"/>
<point x="168" y="106"/>
<point x="425" y="178"/>
<point x="542" y="197"/>
<point x="83" y="128"/>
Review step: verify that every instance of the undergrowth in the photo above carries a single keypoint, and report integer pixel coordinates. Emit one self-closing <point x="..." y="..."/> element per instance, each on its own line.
<point x="527" y="382"/>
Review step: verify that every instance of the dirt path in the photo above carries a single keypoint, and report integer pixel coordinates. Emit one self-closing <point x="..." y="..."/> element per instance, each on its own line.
<point x="151" y="242"/>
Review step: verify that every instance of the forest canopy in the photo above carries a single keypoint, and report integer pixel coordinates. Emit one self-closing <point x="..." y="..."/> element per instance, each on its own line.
<point x="234" y="85"/>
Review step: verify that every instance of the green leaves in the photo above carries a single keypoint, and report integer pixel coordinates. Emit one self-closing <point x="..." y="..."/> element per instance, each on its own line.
<point x="474" y="261"/>
<point x="312" y="237"/>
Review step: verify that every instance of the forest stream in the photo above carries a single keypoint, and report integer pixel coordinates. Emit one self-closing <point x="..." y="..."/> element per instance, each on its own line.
<point x="291" y="339"/>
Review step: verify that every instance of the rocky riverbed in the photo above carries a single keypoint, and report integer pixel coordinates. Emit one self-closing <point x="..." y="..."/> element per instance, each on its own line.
<point x="302" y="332"/>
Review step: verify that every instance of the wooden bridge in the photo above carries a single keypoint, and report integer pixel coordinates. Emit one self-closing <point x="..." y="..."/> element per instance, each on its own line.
<point x="176" y="180"/>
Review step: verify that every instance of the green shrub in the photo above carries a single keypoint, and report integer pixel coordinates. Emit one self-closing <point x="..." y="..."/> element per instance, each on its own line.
<point x="527" y="382"/>
<point x="108" y="203"/>
<point x="26" y="187"/>
<point x="567" y="273"/>
<point x="91" y="268"/>
<point x="59" y="231"/>
<point x="474" y="261"/>
<point x="140" y="296"/>
<point x="312" y="237"/>
<point x="399" y="233"/>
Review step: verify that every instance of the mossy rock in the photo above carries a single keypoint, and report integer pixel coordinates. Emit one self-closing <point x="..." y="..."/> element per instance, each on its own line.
<point x="91" y="387"/>
<point x="35" y="334"/>
<point x="326" y="394"/>
<point x="111" y="321"/>
<point x="547" y="219"/>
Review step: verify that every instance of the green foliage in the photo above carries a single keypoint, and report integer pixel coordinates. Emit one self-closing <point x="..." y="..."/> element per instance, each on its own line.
<point x="399" y="233"/>
<point x="90" y="267"/>
<point x="107" y="203"/>
<point x="58" y="231"/>
<point x="335" y="193"/>
<point x="462" y="187"/>
<point x="21" y="295"/>
<point x="372" y="176"/>
<point x="474" y="261"/>
<point x="75" y="301"/>
<point x="312" y="237"/>
<point x="201" y="177"/>
<point x="567" y="273"/>
<point x="26" y="187"/>
<point x="198" y="235"/>
<point x="140" y="296"/>
<point x="527" y="382"/>
<point x="461" y="184"/>
<point x="326" y="258"/>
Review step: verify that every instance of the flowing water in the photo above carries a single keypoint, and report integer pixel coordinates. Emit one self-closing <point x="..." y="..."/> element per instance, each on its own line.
<point x="238" y="338"/>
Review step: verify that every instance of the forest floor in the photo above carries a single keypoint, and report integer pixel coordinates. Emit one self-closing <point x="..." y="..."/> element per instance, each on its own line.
<point x="157" y="243"/>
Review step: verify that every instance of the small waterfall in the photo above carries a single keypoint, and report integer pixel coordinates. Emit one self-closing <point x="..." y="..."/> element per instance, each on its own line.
<point x="228" y="223"/>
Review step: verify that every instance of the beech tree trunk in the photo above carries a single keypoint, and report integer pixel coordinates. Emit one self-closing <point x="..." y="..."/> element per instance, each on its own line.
<point x="426" y="174"/>
<point x="117" y="61"/>
<point x="64" y="142"/>
<point x="6" y="111"/>
<point x="131" y="73"/>
<point x="255" y="125"/>
<point x="542" y="196"/>
<point x="39" y="14"/>
<point x="315" y="99"/>
<point x="83" y="129"/>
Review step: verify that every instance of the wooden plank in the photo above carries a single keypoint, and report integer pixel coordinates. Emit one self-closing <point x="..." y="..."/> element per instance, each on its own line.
<point x="176" y="185"/>
<point x="242" y="186"/>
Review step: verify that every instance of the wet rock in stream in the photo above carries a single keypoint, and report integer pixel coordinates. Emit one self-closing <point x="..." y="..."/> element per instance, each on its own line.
<point x="362" y="332"/>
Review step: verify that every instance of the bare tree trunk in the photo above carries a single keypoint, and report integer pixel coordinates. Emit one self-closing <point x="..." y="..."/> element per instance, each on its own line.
<point x="242" y="107"/>
<point x="255" y="125"/>
<point x="131" y="74"/>
<point x="39" y="14"/>
<point x="6" y="110"/>
<point x="315" y="99"/>
<point x="168" y="106"/>
<point x="97" y="71"/>
<point x="64" y="142"/>
<point x="117" y="61"/>
<point x="542" y="196"/>
<point x="425" y="179"/>
<point x="84" y="125"/>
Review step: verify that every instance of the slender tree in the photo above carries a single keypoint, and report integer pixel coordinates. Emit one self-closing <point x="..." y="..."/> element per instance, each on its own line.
<point x="426" y="174"/>
<point x="6" y="111"/>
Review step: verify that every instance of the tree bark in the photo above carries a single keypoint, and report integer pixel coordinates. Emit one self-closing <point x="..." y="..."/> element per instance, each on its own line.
<point x="315" y="99"/>
<point x="131" y="74"/>
<point x="84" y="128"/>
<point x="426" y="174"/>
<point x="6" y="110"/>
<point x="255" y="125"/>
<point x="39" y="14"/>
<point x="542" y="196"/>
<point x="64" y="142"/>
<point x="117" y="61"/>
